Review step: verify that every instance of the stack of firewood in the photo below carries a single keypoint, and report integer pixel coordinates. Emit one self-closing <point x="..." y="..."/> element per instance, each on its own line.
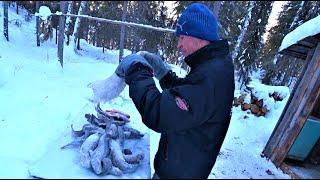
<point x="256" y="105"/>
<point x="276" y="96"/>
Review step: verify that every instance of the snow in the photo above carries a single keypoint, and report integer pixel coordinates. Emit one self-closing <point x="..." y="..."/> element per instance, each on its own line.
<point x="309" y="28"/>
<point x="44" y="12"/>
<point x="58" y="13"/>
<point x="40" y="101"/>
<point x="259" y="20"/>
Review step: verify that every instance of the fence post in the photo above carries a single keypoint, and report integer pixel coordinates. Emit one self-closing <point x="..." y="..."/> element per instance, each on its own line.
<point x="5" y="22"/>
<point x="61" y="32"/>
<point x="37" y="22"/>
<point x="122" y="32"/>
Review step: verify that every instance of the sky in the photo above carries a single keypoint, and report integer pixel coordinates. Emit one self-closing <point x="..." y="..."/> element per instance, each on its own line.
<point x="40" y="101"/>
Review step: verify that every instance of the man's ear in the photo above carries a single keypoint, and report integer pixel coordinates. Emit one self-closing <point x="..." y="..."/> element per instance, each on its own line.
<point x="204" y="42"/>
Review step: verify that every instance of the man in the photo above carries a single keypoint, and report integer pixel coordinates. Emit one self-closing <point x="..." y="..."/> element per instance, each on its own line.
<point x="192" y="113"/>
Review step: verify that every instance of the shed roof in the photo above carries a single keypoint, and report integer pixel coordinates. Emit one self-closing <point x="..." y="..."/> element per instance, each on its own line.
<point x="298" y="42"/>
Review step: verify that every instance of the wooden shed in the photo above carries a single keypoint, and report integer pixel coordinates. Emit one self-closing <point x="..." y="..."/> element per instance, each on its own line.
<point x="303" y="104"/>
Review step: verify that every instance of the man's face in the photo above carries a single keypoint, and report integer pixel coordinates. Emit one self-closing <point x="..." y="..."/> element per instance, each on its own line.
<point x="188" y="44"/>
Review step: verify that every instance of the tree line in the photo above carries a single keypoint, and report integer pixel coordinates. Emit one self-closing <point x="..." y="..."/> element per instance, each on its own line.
<point x="242" y="23"/>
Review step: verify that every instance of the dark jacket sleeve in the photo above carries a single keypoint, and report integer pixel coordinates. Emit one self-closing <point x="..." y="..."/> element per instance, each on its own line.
<point x="170" y="80"/>
<point x="159" y="111"/>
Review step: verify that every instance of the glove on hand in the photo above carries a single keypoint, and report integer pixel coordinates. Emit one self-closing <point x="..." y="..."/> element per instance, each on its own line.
<point x="129" y="61"/>
<point x="159" y="67"/>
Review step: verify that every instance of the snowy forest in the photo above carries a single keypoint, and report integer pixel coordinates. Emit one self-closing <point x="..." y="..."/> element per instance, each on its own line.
<point x="242" y="23"/>
<point x="44" y="99"/>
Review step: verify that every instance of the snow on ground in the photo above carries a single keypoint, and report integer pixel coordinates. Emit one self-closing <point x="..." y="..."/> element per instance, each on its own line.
<point x="247" y="137"/>
<point x="309" y="28"/>
<point x="38" y="96"/>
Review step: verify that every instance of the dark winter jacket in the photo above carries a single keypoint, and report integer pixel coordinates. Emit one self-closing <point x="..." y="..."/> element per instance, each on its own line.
<point x="192" y="113"/>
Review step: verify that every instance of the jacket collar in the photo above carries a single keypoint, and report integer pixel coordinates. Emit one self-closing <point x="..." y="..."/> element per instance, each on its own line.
<point x="214" y="49"/>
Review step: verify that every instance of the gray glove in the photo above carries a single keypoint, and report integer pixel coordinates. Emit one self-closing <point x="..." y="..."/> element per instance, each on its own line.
<point x="127" y="62"/>
<point x="159" y="67"/>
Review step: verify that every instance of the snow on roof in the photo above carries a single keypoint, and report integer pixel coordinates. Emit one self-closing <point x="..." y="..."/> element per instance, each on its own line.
<point x="309" y="28"/>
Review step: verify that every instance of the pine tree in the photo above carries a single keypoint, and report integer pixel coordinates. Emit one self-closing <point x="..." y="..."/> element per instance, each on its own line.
<point x="279" y="69"/>
<point x="69" y="21"/>
<point x="251" y="44"/>
<point x="230" y="14"/>
<point x="145" y="12"/>
<point x="78" y="24"/>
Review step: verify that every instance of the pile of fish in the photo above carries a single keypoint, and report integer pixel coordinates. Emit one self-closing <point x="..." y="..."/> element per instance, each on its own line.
<point x="101" y="143"/>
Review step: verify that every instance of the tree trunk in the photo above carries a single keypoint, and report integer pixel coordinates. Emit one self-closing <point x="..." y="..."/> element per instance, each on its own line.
<point x="37" y="22"/>
<point x="61" y="32"/>
<point x="57" y="35"/>
<point x="68" y="21"/>
<point x="122" y="33"/>
<point x="78" y="43"/>
<point x="77" y="24"/>
<point x="236" y="59"/>
<point x="5" y="22"/>
<point x="17" y="7"/>
<point x="243" y="31"/>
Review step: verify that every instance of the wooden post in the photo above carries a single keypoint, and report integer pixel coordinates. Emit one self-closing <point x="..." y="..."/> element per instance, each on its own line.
<point x="37" y="22"/>
<point x="57" y="34"/>
<point x="5" y="22"/>
<point x="62" y="20"/>
<point x="274" y="138"/>
<point x="122" y="32"/>
<point x="309" y="92"/>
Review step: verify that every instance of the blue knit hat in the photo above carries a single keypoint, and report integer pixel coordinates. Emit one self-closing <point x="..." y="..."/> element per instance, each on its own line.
<point x="198" y="21"/>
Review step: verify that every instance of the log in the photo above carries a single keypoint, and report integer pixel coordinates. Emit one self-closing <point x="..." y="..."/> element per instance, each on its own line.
<point x="245" y="106"/>
<point x="264" y="109"/>
<point x="259" y="103"/>
<point x="254" y="109"/>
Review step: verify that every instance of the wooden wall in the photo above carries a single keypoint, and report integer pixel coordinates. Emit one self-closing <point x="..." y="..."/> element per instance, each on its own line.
<point x="297" y="110"/>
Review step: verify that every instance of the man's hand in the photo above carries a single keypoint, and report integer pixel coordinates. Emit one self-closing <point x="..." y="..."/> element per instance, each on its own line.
<point x="130" y="61"/>
<point x="160" y="68"/>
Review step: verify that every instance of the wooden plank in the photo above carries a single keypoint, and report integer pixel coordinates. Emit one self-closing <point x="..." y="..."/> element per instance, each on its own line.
<point x="286" y="169"/>
<point x="316" y="109"/>
<point x="299" y="49"/>
<point x="313" y="39"/>
<point x="293" y="106"/>
<point x="302" y="47"/>
<point x="289" y="52"/>
<point x="301" y="108"/>
<point x="277" y="132"/>
<point x="307" y="44"/>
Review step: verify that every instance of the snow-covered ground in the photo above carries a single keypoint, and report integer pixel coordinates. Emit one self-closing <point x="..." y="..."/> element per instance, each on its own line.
<point x="38" y="98"/>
